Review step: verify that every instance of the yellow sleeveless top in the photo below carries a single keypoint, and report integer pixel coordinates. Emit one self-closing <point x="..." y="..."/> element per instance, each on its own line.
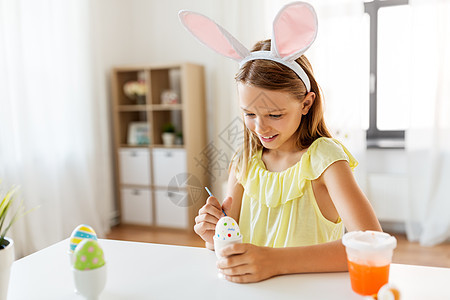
<point x="279" y="208"/>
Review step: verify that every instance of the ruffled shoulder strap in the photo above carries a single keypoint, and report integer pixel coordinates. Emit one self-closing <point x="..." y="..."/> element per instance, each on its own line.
<point x="321" y="154"/>
<point x="275" y="188"/>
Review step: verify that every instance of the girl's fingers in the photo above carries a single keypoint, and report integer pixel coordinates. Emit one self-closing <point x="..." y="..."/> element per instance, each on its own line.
<point x="206" y="234"/>
<point x="211" y="208"/>
<point x="209" y="246"/>
<point x="239" y="270"/>
<point x="234" y="261"/>
<point x="202" y="227"/>
<point x="247" y="278"/>
<point x="231" y="262"/>
<point x="226" y="205"/>
<point x="206" y="218"/>
<point x="234" y="249"/>
<point x="214" y="202"/>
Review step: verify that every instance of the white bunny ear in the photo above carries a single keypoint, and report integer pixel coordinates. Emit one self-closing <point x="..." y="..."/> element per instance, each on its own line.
<point x="294" y="30"/>
<point x="213" y="35"/>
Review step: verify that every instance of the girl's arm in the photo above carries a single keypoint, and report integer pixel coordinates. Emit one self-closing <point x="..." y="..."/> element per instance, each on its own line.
<point x="352" y="205"/>
<point x="249" y="263"/>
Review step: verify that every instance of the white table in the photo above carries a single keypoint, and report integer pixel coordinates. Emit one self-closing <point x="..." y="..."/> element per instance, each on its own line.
<point x="152" y="271"/>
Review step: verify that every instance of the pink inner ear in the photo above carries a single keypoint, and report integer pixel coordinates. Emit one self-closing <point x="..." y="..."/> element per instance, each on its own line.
<point x="209" y="33"/>
<point x="294" y="30"/>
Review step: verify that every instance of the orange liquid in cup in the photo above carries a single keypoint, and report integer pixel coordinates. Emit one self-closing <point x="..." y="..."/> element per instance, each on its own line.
<point x="367" y="280"/>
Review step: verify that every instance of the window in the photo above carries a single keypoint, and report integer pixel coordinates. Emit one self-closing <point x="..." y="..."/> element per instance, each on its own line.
<point x="389" y="72"/>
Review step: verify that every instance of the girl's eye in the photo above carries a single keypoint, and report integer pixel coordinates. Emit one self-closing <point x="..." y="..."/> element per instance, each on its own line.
<point x="275" y="116"/>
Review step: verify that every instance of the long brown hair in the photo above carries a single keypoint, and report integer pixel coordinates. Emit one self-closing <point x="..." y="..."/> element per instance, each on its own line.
<point x="271" y="75"/>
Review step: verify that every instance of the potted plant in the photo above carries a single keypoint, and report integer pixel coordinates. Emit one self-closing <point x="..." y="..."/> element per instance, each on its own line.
<point x="168" y="134"/>
<point x="7" y="218"/>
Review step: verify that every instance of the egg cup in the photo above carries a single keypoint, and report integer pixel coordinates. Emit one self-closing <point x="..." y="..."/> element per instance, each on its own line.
<point x="219" y="244"/>
<point x="90" y="283"/>
<point x="70" y="255"/>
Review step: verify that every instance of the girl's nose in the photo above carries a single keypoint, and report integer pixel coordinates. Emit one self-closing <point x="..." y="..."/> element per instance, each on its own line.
<point x="260" y="125"/>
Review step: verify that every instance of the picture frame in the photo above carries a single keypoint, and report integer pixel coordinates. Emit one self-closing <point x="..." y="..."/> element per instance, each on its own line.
<point x="138" y="133"/>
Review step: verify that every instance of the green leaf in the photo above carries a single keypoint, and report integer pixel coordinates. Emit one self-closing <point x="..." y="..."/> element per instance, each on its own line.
<point x="6" y="207"/>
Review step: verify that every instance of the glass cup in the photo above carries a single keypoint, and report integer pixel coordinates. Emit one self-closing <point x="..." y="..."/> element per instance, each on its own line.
<point x="369" y="255"/>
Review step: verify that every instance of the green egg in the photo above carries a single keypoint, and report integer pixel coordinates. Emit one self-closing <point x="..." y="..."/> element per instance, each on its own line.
<point x="88" y="256"/>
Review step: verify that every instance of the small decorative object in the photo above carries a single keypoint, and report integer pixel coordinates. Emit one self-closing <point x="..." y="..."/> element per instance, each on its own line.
<point x="168" y="135"/>
<point x="138" y="133"/>
<point x="7" y="244"/>
<point x="135" y="90"/>
<point x="179" y="138"/>
<point x="80" y="233"/>
<point x="89" y="269"/>
<point x="169" y="97"/>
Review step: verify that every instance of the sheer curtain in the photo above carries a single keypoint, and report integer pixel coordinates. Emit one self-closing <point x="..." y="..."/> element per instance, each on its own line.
<point x="428" y="138"/>
<point x="341" y="64"/>
<point x="53" y="132"/>
<point x="340" y="60"/>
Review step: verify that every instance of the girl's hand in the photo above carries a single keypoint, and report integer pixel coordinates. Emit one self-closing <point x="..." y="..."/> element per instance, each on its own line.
<point x="247" y="263"/>
<point x="208" y="216"/>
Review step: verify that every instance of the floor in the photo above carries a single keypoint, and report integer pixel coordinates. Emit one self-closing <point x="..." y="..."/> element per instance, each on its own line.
<point x="405" y="253"/>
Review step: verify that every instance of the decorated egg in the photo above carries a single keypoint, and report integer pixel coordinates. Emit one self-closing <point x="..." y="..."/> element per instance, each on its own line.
<point x="88" y="256"/>
<point x="80" y="233"/>
<point x="227" y="229"/>
<point x="388" y="292"/>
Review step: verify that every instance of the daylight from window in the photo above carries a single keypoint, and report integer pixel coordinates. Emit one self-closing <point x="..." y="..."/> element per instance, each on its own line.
<point x="394" y="67"/>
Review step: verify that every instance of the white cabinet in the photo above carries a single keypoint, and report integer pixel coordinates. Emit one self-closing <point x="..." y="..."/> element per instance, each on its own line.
<point x="134" y="166"/>
<point x="168" y="163"/>
<point x="170" y="211"/>
<point x="389" y="196"/>
<point x="387" y="185"/>
<point x="136" y="206"/>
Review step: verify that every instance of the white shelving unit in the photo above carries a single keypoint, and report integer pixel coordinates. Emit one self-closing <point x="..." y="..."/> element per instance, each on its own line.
<point x="158" y="185"/>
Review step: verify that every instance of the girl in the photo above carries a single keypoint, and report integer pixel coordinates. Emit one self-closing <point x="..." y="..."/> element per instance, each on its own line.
<point x="291" y="186"/>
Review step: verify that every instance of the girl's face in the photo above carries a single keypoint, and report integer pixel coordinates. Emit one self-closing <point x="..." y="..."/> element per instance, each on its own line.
<point x="273" y="116"/>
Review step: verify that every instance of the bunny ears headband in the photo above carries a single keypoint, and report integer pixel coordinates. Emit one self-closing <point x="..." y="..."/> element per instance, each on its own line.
<point x="294" y="30"/>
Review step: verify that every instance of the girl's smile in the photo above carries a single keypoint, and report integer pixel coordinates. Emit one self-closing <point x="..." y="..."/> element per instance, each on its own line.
<point x="268" y="139"/>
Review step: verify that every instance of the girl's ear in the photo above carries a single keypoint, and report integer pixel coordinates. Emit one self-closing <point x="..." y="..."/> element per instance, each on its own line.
<point x="294" y="30"/>
<point x="207" y="32"/>
<point x="308" y="101"/>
